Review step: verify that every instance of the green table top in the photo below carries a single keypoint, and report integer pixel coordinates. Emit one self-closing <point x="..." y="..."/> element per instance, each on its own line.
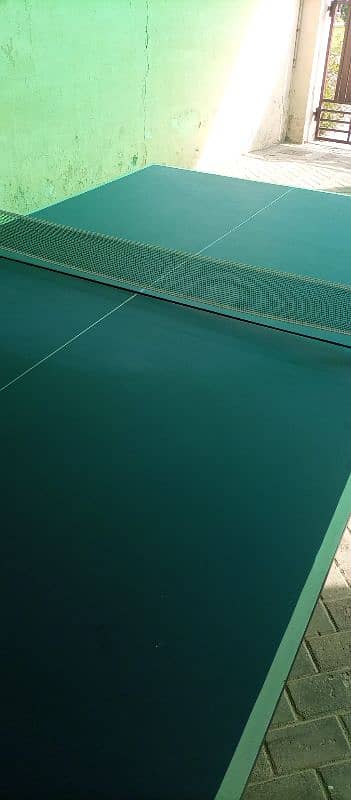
<point x="174" y="492"/>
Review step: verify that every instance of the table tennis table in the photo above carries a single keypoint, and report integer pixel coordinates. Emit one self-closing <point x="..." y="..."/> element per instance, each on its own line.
<point x="176" y="480"/>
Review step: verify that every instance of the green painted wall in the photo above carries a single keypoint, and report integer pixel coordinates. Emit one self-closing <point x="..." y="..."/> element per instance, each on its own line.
<point x="92" y="89"/>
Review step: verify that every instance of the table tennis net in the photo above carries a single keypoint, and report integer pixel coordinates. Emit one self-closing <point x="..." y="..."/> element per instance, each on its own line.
<point x="198" y="280"/>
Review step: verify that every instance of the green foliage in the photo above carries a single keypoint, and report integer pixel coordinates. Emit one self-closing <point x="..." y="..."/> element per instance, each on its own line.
<point x="344" y="12"/>
<point x="335" y="117"/>
<point x="334" y="61"/>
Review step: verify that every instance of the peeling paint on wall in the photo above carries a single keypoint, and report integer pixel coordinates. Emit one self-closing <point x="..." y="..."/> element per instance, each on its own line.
<point x="146" y="75"/>
<point x="9" y="52"/>
<point x="92" y="90"/>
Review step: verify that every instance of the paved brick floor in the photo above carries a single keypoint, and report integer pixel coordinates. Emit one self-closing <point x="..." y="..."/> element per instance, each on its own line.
<point x="307" y="751"/>
<point x="312" y="166"/>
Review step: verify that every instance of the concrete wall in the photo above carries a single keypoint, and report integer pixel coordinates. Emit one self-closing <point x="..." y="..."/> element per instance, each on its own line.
<point x="308" y="70"/>
<point x="92" y="89"/>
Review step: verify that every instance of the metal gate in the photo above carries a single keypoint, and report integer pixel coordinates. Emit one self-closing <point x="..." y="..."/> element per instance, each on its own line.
<point x="333" y="115"/>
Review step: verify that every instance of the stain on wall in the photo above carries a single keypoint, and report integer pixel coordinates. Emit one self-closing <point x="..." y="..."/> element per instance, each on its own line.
<point x="308" y="73"/>
<point x="93" y="89"/>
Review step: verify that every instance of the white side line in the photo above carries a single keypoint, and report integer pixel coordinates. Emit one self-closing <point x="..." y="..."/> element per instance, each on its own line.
<point x="101" y="319"/>
<point x="69" y="341"/>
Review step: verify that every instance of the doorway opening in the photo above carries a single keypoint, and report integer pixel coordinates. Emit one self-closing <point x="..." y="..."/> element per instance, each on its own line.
<point x="333" y="115"/>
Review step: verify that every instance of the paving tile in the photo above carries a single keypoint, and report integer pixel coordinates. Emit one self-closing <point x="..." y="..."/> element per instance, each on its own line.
<point x="335" y="586"/>
<point x="332" y="650"/>
<point x="340" y="610"/>
<point x="309" y="166"/>
<point x="343" y="556"/>
<point x="320" y="621"/>
<point x="307" y="744"/>
<point x="283" y="713"/>
<point x="305" y="786"/>
<point x="262" y="770"/>
<point x="322" y="694"/>
<point x="346" y="718"/>
<point x="338" y="780"/>
<point x="303" y="664"/>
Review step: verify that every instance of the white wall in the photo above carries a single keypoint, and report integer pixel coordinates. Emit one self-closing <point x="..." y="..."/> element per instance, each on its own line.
<point x="252" y="112"/>
<point x="308" y="70"/>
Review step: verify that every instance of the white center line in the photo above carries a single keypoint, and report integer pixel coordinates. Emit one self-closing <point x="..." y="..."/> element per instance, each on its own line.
<point x="65" y="344"/>
<point x="128" y="300"/>
<point x="245" y="221"/>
